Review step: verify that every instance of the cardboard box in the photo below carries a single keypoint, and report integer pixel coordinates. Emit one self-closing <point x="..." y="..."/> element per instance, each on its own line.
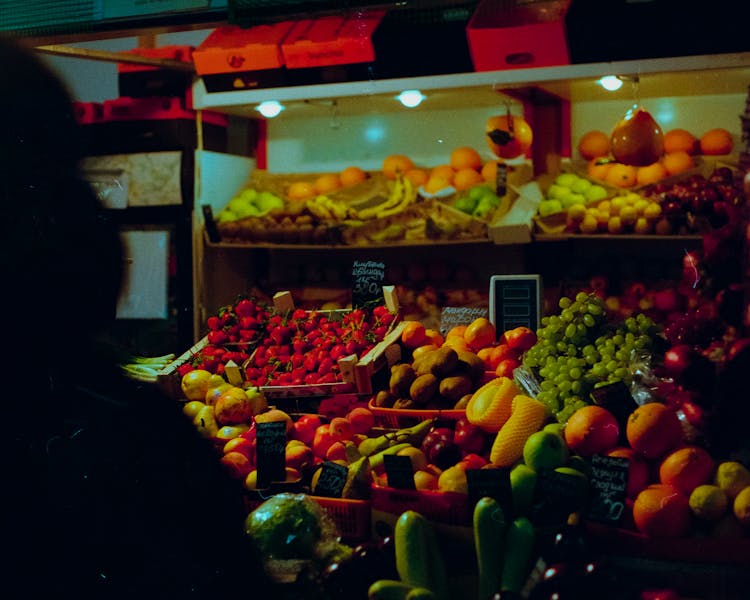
<point x="235" y="58"/>
<point x="140" y="81"/>
<point x="331" y="40"/>
<point x="516" y="226"/>
<point x="511" y="34"/>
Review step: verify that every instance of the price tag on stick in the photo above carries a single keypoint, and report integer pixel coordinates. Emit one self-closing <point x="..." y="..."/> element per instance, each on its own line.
<point x="494" y="483"/>
<point x="609" y="484"/>
<point x="400" y="471"/>
<point x="332" y="480"/>
<point x="367" y="283"/>
<point x="271" y="452"/>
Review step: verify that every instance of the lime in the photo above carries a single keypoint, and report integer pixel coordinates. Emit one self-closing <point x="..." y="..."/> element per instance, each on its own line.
<point x="708" y="502"/>
<point x="732" y="477"/>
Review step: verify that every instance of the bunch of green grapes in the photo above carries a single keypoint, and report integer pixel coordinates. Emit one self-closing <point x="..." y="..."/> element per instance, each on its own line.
<point x="579" y="350"/>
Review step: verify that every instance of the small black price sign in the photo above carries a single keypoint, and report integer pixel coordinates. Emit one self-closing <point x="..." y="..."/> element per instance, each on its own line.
<point x="494" y="483"/>
<point x="557" y="495"/>
<point x="501" y="179"/>
<point x="332" y="480"/>
<point x="367" y="282"/>
<point x="609" y="484"/>
<point x="400" y="471"/>
<point x="452" y="316"/>
<point x="271" y="452"/>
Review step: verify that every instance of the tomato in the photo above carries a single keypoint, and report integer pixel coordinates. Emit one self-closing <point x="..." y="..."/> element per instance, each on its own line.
<point x="508" y="139"/>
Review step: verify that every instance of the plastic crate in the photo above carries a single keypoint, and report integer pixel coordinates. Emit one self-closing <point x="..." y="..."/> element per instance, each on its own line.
<point x="352" y="517"/>
<point x="405" y="417"/>
<point x="449" y="508"/>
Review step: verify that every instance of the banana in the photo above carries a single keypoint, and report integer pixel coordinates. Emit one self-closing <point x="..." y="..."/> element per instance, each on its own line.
<point x="394" y="199"/>
<point x="317" y="208"/>
<point x="408" y="194"/>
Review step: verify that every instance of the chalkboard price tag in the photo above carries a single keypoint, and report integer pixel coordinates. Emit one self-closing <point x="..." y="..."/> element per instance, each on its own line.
<point x="451" y="316"/>
<point x="271" y="452"/>
<point x="332" y="480"/>
<point x="557" y="495"/>
<point x="515" y="301"/>
<point x="494" y="483"/>
<point x="367" y="282"/>
<point x="400" y="471"/>
<point x="501" y="179"/>
<point x="609" y="484"/>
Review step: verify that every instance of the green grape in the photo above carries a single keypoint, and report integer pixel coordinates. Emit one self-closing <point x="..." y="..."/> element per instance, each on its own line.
<point x="564" y="302"/>
<point x="575" y="373"/>
<point x="582" y="297"/>
<point x="621" y="373"/>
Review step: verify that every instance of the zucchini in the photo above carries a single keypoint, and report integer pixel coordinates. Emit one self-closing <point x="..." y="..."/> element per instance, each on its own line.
<point x="490" y="528"/>
<point x="519" y="546"/>
<point x="419" y="560"/>
<point x="388" y="589"/>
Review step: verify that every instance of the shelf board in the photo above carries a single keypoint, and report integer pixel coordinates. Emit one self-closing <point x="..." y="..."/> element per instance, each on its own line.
<point x="686" y="75"/>
<point x="610" y="237"/>
<point x="338" y="247"/>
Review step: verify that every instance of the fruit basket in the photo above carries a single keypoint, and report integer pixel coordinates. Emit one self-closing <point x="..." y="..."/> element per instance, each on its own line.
<point x="352" y="517"/>
<point x="448" y="508"/>
<point x="405" y="417"/>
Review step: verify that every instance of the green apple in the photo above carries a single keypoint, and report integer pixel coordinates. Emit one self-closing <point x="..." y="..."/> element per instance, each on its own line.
<point x="558" y="192"/>
<point x="545" y="450"/>
<point x="580" y="185"/>
<point x="566" y="179"/>
<point x="595" y="193"/>
<point x="572" y="199"/>
<point x="549" y="207"/>
<point x="267" y="201"/>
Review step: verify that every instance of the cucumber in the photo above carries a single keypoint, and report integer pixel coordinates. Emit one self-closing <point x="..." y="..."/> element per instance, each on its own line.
<point x="490" y="528"/>
<point x="519" y="546"/>
<point x="388" y="589"/>
<point x="420" y="594"/>
<point x="419" y="560"/>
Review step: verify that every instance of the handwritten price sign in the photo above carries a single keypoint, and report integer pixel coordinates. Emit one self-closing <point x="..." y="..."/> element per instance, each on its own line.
<point x="367" y="282"/>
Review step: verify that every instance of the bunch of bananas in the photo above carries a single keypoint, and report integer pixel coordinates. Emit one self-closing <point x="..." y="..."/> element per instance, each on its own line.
<point x="146" y="369"/>
<point x="402" y="194"/>
<point x="326" y="208"/>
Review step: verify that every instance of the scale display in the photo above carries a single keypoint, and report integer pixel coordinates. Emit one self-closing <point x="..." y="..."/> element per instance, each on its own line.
<point x="515" y="301"/>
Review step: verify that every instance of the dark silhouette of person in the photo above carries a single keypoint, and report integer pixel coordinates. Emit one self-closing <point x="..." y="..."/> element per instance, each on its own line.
<point x="109" y="490"/>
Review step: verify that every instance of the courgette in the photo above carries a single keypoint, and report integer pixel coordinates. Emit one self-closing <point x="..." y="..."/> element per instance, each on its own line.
<point x="490" y="528"/>
<point x="419" y="560"/>
<point x="519" y="546"/>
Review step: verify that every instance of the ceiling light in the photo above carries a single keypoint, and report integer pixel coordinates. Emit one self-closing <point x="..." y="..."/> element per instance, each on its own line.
<point x="410" y="98"/>
<point x="611" y="83"/>
<point x="270" y="108"/>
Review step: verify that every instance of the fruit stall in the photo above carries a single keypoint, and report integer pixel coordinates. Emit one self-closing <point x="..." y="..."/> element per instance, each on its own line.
<point x="492" y="345"/>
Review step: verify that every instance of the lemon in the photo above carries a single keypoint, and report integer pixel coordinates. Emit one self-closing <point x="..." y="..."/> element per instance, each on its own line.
<point x="732" y="477"/>
<point x="194" y="384"/>
<point x="192" y="408"/>
<point x="742" y="506"/>
<point x="708" y="502"/>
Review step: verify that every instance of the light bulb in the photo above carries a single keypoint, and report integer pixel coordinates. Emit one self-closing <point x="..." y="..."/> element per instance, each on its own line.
<point x="611" y="83"/>
<point x="270" y="108"/>
<point x="411" y="98"/>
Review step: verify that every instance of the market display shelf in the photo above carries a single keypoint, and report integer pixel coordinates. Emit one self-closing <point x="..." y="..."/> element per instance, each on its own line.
<point x="704" y="74"/>
<point x="394" y="244"/>
<point x="611" y="237"/>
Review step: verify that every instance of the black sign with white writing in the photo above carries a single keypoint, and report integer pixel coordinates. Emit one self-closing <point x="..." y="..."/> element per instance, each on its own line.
<point x="332" y="480"/>
<point x="367" y="283"/>
<point x="493" y="483"/>
<point x="452" y="316"/>
<point x="400" y="471"/>
<point x="501" y="179"/>
<point x="271" y="452"/>
<point x="557" y="495"/>
<point x="609" y="484"/>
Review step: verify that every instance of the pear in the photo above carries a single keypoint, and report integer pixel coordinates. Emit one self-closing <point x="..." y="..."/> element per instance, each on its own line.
<point x="205" y="421"/>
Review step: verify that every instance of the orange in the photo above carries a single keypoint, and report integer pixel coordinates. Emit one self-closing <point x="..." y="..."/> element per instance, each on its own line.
<point x="677" y="162"/>
<point x="480" y="333"/>
<point x="465" y="157"/>
<point x="687" y="468"/>
<point x="486" y="355"/>
<point x="444" y="172"/>
<point x="598" y="168"/>
<point x="676" y="140"/>
<point x="466" y="178"/>
<point x="273" y="415"/>
<point x="327" y="183"/>
<point x="593" y="144"/>
<point x="489" y="171"/>
<point x="621" y="175"/>
<point x="716" y="141"/>
<point x="300" y="190"/>
<point x="395" y="164"/>
<point x="417" y="176"/>
<point x="503" y="142"/>
<point x="435" y="184"/>
<point x="653" y="429"/>
<point x="413" y="335"/>
<point x="352" y="176"/>
<point x="591" y="430"/>
<point x="662" y="511"/>
<point x="650" y="173"/>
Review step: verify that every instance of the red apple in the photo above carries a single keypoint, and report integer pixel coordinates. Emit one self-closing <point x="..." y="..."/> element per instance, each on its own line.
<point x="469" y="438"/>
<point x="304" y="428"/>
<point x="236" y="464"/>
<point x="242" y="445"/>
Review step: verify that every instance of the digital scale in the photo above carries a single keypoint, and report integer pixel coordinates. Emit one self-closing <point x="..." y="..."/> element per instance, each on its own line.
<point x="515" y="301"/>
